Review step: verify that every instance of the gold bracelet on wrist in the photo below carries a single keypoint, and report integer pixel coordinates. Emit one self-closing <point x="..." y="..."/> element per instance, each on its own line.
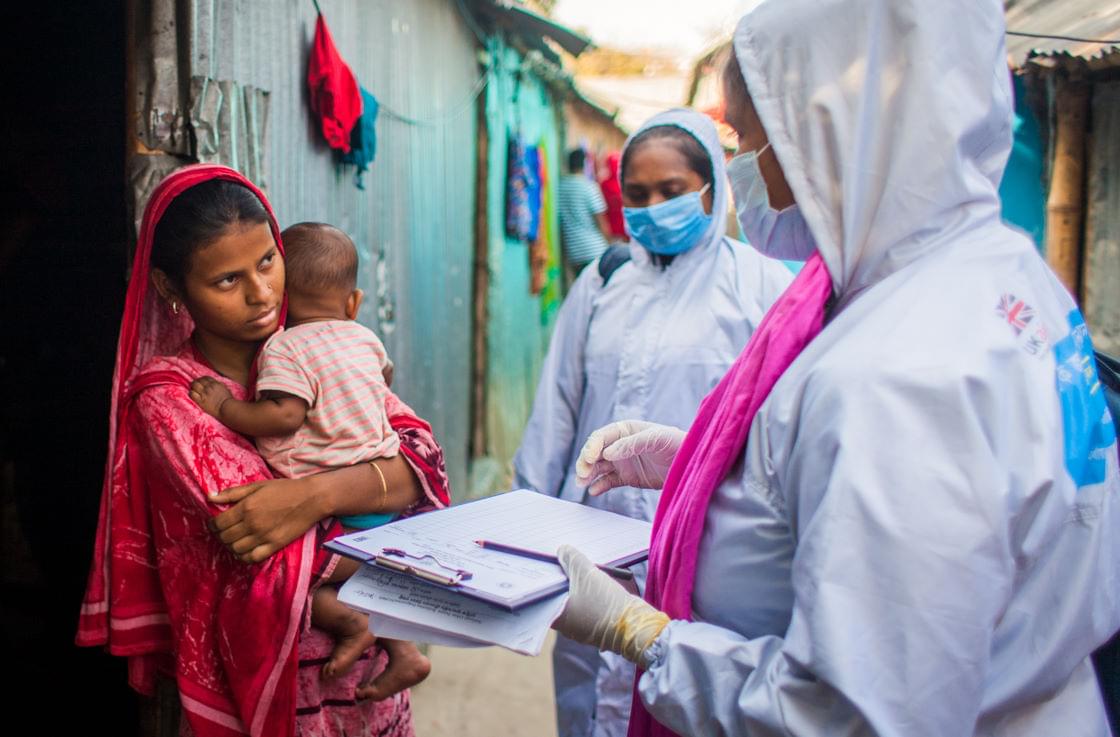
<point x="384" y="487"/>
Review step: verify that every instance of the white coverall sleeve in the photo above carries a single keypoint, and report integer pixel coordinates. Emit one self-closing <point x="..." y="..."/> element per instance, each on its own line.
<point x="545" y="455"/>
<point x="901" y="572"/>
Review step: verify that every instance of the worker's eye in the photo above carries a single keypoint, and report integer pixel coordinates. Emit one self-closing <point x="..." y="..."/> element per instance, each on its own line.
<point x="635" y="197"/>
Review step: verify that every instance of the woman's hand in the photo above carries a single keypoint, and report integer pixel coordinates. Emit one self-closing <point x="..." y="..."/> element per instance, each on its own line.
<point x="628" y="453"/>
<point x="259" y="524"/>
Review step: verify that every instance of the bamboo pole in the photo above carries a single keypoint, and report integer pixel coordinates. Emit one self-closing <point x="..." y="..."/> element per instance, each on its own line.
<point x="1065" y="205"/>
<point x="481" y="287"/>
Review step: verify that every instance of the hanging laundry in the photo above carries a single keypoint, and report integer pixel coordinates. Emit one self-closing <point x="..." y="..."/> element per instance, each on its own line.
<point x="612" y="195"/>
<point x="335" y="98"/>
<point x="548" y="246"/>
<point x="533" y="190"/>
<point x="538" y="243"/>
<point x="363" y="140"/>
<point x="518" y="217"/>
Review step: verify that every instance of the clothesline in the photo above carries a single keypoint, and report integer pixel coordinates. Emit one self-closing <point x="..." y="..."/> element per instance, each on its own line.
<point x="455" y="111"/>
<point x="1027" y="34"/>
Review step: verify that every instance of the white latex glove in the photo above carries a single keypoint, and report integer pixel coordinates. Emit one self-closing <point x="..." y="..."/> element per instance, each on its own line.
<point x="600" y="612"/>
<point x="628" y="453"/>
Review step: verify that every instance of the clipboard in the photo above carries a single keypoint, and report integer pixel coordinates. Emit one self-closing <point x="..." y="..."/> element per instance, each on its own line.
<point x="438" y="549"/>
<point x="462" y="586"/>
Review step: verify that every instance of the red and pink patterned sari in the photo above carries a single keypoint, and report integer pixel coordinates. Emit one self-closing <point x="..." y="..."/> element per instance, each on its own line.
<point x="163" y="590"/>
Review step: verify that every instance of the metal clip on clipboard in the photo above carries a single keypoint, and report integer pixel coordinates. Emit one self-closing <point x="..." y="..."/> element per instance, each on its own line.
<point x="458" y="575"/>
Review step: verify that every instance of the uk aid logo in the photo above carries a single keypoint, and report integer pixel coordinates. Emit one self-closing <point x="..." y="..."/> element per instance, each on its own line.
<point x="1089" y="430"/>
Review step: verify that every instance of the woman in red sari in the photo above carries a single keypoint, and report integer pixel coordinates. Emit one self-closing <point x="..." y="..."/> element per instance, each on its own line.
<point x="211" y="587"/>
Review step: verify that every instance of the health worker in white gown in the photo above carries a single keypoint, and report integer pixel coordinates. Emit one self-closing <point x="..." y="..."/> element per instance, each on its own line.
<point x="919" y="533"/>
<point x="647" y="345"/>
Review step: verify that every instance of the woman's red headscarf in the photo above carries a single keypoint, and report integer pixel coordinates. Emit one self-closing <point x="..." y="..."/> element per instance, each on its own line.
<point x="125" y="605"/>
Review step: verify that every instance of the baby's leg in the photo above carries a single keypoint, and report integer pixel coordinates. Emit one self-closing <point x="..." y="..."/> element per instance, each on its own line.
<point x="407" y="667"/>
<point x="349" y="628"/>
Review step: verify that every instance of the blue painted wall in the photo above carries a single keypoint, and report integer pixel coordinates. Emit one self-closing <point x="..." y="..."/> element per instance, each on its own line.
<point x="517" y="100"/>
<point x="1023" y="190"/>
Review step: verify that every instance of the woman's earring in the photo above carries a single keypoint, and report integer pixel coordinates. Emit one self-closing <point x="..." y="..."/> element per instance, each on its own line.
<point x="175" y="307"/>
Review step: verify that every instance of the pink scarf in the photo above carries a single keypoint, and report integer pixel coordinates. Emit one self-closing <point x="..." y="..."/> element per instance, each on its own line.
<point x="715" y="442"/>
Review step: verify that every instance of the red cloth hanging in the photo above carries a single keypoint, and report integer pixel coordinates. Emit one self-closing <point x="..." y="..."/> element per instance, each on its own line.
<point x="612" y="195"/>
<point x="335" y="97"/>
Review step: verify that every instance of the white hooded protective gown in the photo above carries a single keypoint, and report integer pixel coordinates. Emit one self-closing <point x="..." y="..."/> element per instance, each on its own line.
<point x="649" y="345"/>
<point x="923" y="537"/>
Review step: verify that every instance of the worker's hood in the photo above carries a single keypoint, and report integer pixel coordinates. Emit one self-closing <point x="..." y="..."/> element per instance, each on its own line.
<point x="891" y="120"/>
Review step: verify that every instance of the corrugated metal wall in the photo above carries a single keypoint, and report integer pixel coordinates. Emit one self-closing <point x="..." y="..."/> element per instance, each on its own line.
<point x="519" y="322"/>
<point x="413" y="222"/>
<point x="1094" y="19"/>
<point x="1079" y="104"/>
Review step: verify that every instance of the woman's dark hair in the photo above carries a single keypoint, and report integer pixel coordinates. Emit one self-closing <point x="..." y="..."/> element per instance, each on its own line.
<point x="694" y="153"/>
<point x="198" y="217"/>
<point x="734" y="85"/>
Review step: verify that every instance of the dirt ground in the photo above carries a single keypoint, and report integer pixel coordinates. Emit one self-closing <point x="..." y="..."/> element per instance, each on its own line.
<point x="487" y="692"/>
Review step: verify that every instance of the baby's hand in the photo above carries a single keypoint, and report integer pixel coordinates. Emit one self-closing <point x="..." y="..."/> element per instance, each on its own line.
<point x="209" y="393"/>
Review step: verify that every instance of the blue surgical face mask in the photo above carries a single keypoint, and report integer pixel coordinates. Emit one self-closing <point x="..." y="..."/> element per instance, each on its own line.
<point x="669" y="227"/>
<point x="780" y="234"/>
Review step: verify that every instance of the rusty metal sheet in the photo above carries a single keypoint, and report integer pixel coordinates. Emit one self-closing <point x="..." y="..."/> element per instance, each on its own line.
<point x="1101" y="277"/>
<point x="161" y="120"/>
<point x="1093" y="19"/>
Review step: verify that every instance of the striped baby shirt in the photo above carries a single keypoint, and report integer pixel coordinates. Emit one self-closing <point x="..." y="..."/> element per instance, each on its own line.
<point x="335" y="366"/>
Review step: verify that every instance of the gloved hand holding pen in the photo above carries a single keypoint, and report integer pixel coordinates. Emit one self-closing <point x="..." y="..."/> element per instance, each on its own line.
<point x="602" y="613"/>
<point x="628" y="453"/>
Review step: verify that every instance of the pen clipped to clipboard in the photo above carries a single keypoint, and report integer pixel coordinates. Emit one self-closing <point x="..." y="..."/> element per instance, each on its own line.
<point x="390" y="558"/>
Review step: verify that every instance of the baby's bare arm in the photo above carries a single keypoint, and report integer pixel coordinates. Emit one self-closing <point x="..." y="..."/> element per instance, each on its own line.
<point x="279" y="414"/>
<point x="346" y="568"/>
<point x="275" y="414"/>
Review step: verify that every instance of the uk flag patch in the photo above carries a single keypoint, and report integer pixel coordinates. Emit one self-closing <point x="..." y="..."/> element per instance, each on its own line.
<point x="1015" y="312"/>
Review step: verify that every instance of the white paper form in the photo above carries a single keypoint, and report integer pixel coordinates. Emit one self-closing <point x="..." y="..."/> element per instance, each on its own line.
<point x="444" y="541"/>
<point x="404" y="609"/>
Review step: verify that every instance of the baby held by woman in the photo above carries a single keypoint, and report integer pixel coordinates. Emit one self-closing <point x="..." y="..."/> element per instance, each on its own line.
<point x="321" y="388"/>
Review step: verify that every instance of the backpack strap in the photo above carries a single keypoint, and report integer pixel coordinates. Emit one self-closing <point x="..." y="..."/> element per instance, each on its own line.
<point x="1107" y="658"/>
<point x="611" y="259"/>
<point x="1108" y="370"/>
